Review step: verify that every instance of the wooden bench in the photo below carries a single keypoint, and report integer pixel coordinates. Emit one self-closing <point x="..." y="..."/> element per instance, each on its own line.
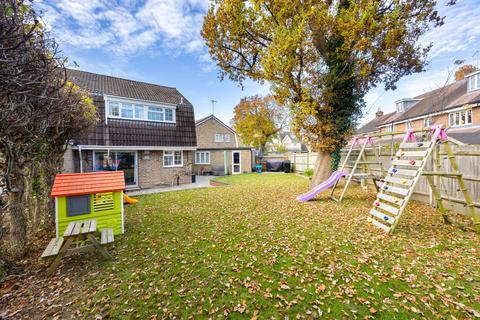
<point x="106" y="236"/>
<point x="53" y="247"/>
<point x="78" y="232"/>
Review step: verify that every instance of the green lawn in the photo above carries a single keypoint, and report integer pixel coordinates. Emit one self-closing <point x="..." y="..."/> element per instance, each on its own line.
<point x="250" y="250"/>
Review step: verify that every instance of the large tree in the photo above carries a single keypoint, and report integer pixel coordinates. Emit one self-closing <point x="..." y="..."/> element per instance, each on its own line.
<point x="321" y="57"/>
<point x="40" y="111"/>
<point x="257" y="119"/>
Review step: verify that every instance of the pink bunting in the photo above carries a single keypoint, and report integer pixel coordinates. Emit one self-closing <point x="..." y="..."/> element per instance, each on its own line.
<point x="409" y="136"/>
<point x="439" y="133"/>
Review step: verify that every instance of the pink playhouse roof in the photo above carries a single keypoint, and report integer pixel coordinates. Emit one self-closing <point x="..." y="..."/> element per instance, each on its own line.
<point x="76" y="184"/>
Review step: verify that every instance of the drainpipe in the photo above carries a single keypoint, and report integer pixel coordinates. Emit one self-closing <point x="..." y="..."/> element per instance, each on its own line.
<point x="225" y="169"/>
<point x="81" y="160"/>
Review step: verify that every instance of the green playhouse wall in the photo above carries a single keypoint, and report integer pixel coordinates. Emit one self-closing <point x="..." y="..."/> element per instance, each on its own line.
<point x="105" y="219"/>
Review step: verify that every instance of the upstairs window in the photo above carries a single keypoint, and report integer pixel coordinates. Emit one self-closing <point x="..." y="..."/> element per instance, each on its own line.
<point x="125" y="110"/>
<point x="460" y="118"/>
<point x="389" y="128"/>
<point x="155" y="114"/>
<point x="473" y="82"/>
<point x="219" y="137"/>
<point x="227" y="138"/>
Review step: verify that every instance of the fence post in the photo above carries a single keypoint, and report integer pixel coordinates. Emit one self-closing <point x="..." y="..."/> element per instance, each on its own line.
<point x="308" y="159"/>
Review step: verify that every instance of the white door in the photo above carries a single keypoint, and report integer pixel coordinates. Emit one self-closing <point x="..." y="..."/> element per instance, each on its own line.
<point x="236" y="162"/>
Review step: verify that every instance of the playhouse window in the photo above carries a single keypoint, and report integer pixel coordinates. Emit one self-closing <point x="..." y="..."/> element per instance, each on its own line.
<point x="78" y="205"/>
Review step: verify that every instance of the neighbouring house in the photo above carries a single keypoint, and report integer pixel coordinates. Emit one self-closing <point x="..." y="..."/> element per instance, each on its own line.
<point x="289" y="141"/>
<point x="218" y="151"/>
<point x="144" y="129"/>
<point x="456" y="106"/>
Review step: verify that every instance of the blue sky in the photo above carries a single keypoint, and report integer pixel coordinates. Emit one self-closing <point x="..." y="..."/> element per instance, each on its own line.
<point x="158" y="41"/>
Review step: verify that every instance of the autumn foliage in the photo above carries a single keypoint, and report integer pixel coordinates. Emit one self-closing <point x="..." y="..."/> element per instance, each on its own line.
<point x="321" y="57"/>
<point x="40" y="111"/>
<point x="464" y="70"/>
<point x="257" y="119"/>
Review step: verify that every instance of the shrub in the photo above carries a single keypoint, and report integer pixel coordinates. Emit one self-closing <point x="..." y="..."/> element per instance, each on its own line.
<point x="308" y="172"/>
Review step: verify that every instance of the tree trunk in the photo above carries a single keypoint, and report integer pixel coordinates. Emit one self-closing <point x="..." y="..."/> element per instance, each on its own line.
<point x="323" y="168"/>
<point x="18" y="225"/>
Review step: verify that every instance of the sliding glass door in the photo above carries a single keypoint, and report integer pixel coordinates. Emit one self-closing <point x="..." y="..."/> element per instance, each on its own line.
<point x="117" y="160"/>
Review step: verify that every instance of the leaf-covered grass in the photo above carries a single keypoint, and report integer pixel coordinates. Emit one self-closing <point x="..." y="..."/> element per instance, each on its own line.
<point x="250" y="250"/>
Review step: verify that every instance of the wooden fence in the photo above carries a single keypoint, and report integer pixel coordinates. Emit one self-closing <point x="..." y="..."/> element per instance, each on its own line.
<point x="468" y="159"/>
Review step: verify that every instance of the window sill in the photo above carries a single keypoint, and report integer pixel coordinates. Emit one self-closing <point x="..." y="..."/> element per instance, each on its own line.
<point x="203" y="163"/>
<point x="141" y="120"/>
<point x="174" y="166"/>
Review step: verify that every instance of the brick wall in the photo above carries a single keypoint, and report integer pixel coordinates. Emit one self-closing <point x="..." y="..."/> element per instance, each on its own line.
<point x="151" y="171"/>
<point x="206" y="135"/>
<point x="217" y="159"/>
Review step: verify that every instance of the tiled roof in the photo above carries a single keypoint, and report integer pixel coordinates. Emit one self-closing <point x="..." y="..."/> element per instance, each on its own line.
<point x="99" y="84"/>
<point x="76" y="184"/>
<point x="442" y="99"/>
<point x="436" y="100"/>
<point x="467" y="136"/>
<point x="125" y="132"/>
<point x="372" y="125"/>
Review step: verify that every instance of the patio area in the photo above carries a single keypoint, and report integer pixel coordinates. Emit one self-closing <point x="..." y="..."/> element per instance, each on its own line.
<point x="201" y="182"/>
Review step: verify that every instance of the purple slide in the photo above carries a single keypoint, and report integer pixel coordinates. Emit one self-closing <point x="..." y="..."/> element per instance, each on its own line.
<point x="336" y="175"/>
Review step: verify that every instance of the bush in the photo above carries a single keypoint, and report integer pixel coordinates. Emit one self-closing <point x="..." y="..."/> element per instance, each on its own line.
<point x="308" y="172"/>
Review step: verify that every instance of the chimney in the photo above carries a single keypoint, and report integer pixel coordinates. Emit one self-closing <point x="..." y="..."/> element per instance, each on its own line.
<point x="379" y="113"/>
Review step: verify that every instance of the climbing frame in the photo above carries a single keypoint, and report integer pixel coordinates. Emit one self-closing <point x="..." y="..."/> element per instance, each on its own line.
<point x="407" y="168"/>
<point x="360" y="161"/>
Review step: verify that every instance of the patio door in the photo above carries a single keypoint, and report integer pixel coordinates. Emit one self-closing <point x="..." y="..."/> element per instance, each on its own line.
<point x="236" y="162"/>
<point x="118" y="160"/>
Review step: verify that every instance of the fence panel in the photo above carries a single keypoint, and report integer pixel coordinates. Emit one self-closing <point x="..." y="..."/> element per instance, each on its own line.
<point x="468" y="159"/>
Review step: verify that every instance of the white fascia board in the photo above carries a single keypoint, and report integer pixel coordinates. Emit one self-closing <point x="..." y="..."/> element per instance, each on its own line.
<point x="127" y="99"/>
<point x="431" y="115"/>
<point x="126" y="148"/>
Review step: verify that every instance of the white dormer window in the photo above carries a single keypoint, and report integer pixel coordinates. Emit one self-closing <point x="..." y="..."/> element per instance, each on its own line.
<point x="473" y="82"/>
<point x="123" y="109"/>
<point x="405" y="104"/>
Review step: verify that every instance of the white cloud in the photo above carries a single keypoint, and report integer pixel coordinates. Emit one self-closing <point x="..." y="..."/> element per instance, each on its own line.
<point x="124" y="28"/>
<point x="460" y="32"/>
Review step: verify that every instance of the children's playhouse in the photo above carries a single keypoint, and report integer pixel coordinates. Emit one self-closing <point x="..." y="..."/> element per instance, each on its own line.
<point x="93" y="195"/>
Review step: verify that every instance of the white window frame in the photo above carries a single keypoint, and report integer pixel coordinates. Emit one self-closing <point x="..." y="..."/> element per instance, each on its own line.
<point x="219" y="137"/>
<point x="473" y="82"/>
<point x="171" y="153"/>
<point x="389" y="128"/>
<point x="135" y="171"/>
<point x="206" y="155"/>
<point x="138" y="105"/>
<point x="427" y="122"/>
<point x="458" y="115"/>
<point x="226" y="138"/>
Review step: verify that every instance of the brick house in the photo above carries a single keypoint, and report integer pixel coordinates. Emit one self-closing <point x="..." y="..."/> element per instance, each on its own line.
<point x="217" y="149"/>
<point x="146" y="130"/>
<point x="455" y="106"/>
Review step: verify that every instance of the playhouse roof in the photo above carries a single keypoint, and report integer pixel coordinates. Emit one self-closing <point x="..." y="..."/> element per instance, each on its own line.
<point x="76" y="184"/>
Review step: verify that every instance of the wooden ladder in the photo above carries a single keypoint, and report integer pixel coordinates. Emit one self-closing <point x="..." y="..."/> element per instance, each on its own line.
<point x="392" y="199"/>
<point x="455" y="173"/>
